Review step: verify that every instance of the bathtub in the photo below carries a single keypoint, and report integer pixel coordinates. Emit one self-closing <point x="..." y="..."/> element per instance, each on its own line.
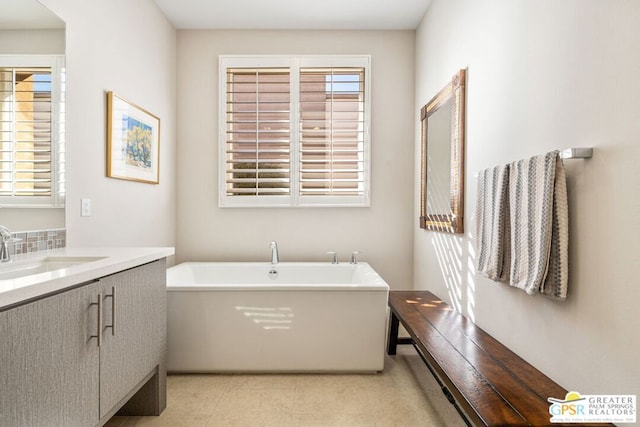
<point x="291" y="317"/>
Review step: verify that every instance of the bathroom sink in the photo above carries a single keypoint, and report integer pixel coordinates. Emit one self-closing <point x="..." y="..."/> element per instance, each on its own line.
<point x="15" y="270"/>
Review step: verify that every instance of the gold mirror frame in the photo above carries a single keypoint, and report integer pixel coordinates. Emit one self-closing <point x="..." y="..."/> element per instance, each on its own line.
<point x="452" y="221"/>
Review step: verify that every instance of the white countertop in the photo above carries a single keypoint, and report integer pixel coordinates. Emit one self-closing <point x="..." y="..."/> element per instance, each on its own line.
<point x="18" y="290"/>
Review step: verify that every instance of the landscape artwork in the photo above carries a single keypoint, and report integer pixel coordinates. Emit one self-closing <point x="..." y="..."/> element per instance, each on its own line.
<point x="138" y="149"/>
<point x="133" y="142"/>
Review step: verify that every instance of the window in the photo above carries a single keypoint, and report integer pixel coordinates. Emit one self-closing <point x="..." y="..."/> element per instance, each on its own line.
<point x="31" y="124"/>
<point x="294" y="131"/>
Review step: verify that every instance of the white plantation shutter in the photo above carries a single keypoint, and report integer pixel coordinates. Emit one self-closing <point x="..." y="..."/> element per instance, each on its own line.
<point x="31" y="150"/>
<point x="294" y="131"/>
<point x="332" y="136"/>
<point x="258" y="141"/>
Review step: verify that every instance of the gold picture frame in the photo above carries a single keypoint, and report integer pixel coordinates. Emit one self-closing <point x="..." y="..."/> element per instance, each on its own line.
<point x="133" y="142"/>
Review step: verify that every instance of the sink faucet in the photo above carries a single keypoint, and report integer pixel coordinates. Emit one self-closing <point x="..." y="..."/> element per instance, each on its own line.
<point x="274" y="253"/>
<point x="5" y="237"/>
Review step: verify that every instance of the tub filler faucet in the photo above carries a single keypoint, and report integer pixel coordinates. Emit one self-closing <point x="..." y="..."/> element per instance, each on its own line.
<point x="274" y="253"/>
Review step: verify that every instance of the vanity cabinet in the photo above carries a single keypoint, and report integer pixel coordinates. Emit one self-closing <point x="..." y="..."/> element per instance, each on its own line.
<point x="52" y="371"/>
<point x="48" y="363"/>
<point x="135" y="344"/>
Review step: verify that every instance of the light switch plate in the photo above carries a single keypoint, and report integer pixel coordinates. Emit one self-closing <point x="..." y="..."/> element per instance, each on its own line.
<point x="85" y="207"/>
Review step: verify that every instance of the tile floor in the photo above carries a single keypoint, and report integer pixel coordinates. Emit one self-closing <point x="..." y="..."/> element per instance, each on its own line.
<point x="404" y="394"/>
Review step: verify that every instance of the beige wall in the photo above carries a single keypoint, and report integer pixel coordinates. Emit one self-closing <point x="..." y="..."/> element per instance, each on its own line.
<point x="546" y="75"/>
<point x="382" y="232"/>
<point x="106" y="51"/>
<point x="32" y="42"/>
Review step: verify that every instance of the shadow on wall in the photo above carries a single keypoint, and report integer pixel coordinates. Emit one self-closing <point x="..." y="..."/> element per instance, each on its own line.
<point x="457" y="267"/>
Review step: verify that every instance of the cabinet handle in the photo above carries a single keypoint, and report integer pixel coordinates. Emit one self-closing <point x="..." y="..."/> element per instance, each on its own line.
<point x="113" y="311"/>
<point x="99" y="304"/>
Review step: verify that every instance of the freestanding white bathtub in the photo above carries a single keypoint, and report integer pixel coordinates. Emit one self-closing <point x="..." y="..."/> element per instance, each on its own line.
<point x="290" y="317"/>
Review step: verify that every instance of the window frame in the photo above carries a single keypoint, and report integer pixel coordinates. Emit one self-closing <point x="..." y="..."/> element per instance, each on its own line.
<point x="294" y="63"/>
<point x="57" y="65"/>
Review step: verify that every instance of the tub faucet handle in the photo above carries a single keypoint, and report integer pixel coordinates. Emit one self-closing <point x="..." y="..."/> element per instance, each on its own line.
<point x="354" y="257"/>
<point x="334" y="257"/>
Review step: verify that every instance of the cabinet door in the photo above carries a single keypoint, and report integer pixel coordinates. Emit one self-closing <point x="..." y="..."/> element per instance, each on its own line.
<point x="49" y="362"/>
<point x="139" y="341"/>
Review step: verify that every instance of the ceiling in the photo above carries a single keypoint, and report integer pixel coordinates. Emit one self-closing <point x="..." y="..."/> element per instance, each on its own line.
<point x="251" y="14"/>
<point x="21" y="14"/>
<point x="295" y="14"/>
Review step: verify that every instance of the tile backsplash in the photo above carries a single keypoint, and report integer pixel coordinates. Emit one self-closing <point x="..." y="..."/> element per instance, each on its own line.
<point x="37" y="240"/>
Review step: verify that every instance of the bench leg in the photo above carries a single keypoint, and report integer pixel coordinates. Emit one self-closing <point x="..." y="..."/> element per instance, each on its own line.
<point x="394" y="324"/>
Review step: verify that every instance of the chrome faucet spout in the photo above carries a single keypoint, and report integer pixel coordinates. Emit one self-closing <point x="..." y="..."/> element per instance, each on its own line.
<point x="5" y="237"/>
<point x="5" y="233"/>
<point x="275" y="258"/>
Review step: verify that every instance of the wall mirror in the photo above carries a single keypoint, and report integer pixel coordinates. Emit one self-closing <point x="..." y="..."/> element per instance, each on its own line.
<point x="442" y="158"/>
<point x="29" y="30"/>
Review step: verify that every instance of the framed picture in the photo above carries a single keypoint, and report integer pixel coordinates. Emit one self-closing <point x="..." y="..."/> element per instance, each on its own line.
<point x="133" y="142"/>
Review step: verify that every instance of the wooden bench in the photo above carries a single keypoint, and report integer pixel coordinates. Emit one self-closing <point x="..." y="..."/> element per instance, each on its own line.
<point x="488" y="383"/>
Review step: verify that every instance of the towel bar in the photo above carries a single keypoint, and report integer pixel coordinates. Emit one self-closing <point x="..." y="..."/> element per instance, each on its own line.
<point x="569" y="153"/>
<point x="577" y="153"/>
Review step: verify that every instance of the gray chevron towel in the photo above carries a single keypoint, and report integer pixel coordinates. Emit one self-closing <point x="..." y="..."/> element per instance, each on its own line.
<point x="492" y="224"/>
<point x="539" y="223"/>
